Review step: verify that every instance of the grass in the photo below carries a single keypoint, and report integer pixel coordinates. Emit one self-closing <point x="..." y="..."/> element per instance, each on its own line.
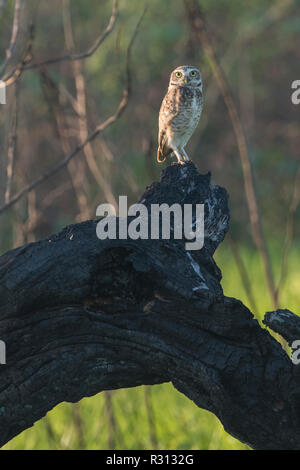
<point x="158" y="416"/>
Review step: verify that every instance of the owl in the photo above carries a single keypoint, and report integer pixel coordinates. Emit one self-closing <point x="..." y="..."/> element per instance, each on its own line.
<point x="180" y="112"/>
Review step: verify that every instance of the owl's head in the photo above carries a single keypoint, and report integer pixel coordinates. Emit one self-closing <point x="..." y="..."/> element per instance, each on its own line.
<point x="186" y="75"/>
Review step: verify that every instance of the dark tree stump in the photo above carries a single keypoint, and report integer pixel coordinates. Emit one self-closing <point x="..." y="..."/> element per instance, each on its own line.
<point x="80" y="315"/>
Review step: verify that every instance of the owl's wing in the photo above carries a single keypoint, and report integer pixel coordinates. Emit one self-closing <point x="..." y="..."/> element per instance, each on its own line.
<point x="163" y="150"/>
<point x="168" y="111"/>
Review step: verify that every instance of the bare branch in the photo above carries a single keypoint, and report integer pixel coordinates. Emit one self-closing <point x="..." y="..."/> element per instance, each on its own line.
<point x="80" y="106"/>
<point x="89" y="52"/>
<point x="14" y="34"/>
<point x="19" y="70"/>
<point x="31" y="223"/>
<point x="151" y="419"/>
<point x="76" y="172"/>
<point x="112" y="422"/>
<point x="12" y="146"/>
<point x="98" y="130"/>
<point x="27" y="57"/>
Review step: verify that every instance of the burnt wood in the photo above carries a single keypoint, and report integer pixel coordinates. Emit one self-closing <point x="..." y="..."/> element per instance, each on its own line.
<point x="80" y="315"/>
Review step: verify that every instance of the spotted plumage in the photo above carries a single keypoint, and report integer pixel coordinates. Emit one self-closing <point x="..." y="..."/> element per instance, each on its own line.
<point x="180" y="112"/>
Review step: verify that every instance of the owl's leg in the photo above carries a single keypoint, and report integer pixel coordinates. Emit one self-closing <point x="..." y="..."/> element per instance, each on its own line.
<point x="185" y="155"/>
<point x="178" y="155"/>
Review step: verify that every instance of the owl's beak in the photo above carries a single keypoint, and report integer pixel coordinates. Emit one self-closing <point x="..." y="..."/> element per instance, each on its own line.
<point x="185" y="80"/>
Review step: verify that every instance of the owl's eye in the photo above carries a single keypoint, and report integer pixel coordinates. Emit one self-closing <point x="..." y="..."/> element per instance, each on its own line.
<point x="193" y="73"/>
<point x="178" y="74"/>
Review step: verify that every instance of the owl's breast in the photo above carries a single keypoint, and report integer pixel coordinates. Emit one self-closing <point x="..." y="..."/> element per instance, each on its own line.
<point x="179" y="115"/>
<point x="188" y="113"/>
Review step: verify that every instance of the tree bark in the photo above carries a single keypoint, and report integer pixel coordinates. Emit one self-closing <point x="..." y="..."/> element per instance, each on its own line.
<point x="79" y="315"/>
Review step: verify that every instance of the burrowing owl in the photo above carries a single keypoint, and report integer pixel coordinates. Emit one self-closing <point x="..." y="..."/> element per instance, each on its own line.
<point x="180" y="112"/>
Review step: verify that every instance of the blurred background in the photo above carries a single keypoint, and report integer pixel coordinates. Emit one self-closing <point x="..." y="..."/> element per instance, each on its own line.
<point x="249" y="57"/>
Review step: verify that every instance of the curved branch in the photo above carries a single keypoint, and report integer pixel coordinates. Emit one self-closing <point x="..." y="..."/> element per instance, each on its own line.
<point x="10" y="78"/>
<point x="14" y="34"/>
<point x="96" y="132"/>
<point x="80" y="315"/>
<point x="84" y="55"/>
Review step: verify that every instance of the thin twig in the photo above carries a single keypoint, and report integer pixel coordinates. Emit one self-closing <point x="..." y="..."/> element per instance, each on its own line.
<point x="98" y="130"/>
<point x="112" y="424"/>
<point x="31" y="215"/>
<point x="12" y="146"/>
<point x="31" y="223"/>
<point x="89" y="52"/>
<point x="78" y="425"/>
<point x="151" y="418"/>
<point x="14" y="34"/>
<point x="76" y="171"/>
<point x="9" y="79"/>
<point x="51" y="436"/>
<point x="27" y="57"/>
<point x="82" y="110"/>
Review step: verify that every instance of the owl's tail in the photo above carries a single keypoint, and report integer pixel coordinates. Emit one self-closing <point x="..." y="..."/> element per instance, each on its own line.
<point x="160" y="156"/>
